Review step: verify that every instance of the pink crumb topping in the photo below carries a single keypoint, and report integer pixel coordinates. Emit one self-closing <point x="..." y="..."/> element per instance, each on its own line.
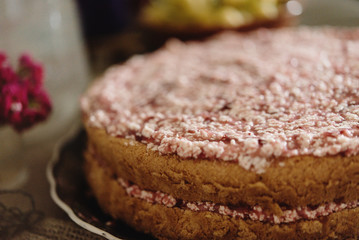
<point x="246" y="98"/>
<point x="255" y="213"/>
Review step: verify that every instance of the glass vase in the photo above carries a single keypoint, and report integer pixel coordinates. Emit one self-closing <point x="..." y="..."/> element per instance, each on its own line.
<point x="13" y="169"/>
<point x="50" y="32"/>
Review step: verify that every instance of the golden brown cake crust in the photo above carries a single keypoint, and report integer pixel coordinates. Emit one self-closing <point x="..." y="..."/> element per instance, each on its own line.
<point x="176" y="223"/>
<point x="302" y="181"/>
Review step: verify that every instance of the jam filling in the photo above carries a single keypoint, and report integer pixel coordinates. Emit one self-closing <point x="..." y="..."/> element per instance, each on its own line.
<point x="255" y="213"/>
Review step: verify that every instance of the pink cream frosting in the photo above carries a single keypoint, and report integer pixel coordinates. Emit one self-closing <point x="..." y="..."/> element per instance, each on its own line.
<point x="245" y="98"/>
<point x="255" y="213"/>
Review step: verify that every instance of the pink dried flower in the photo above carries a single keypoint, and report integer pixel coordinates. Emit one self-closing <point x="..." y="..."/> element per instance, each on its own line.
<point x="23" y="101"/>
<point x="31" y="72"/>
<point x="7" y="75"/>
<point x="13" y="101"/>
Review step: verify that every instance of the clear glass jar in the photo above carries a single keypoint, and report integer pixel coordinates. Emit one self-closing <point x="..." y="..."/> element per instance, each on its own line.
<point x="13" y="168"/>
<point x="48" y="30"/>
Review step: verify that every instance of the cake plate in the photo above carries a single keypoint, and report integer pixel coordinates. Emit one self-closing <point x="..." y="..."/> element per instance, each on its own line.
<point x="69" y="190"/>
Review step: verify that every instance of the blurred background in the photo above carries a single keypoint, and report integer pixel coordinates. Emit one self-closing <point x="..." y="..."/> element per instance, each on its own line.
<point x="117" y="29"/>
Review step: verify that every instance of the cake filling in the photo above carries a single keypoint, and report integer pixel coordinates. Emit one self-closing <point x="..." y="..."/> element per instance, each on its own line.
<point x="255" y="213"/>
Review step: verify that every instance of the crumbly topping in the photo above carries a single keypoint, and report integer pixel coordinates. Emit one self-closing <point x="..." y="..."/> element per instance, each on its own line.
<point x="238" y="97"/>
<point x="255" y="213"/>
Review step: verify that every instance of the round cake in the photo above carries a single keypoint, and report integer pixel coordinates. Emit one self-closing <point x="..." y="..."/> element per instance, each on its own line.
<point x="242" y="136"/>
